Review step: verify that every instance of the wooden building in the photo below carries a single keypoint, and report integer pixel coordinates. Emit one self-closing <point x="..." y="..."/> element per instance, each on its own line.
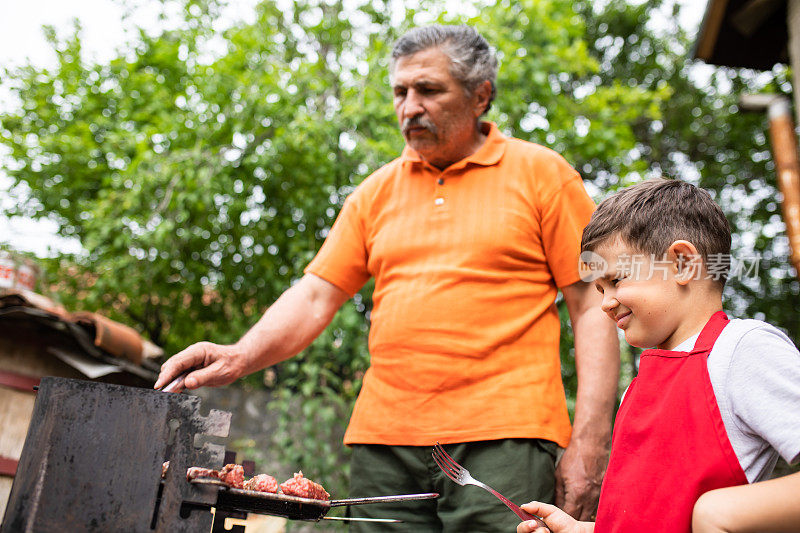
<point x="754" y="34"/>
<point x="40" y="338"/>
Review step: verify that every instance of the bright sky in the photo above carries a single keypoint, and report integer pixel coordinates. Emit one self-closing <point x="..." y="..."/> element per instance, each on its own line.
<point x="21" y="39"/>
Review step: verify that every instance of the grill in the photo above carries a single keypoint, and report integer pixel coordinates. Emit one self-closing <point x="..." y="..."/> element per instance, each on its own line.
<point x="93" y="457"/>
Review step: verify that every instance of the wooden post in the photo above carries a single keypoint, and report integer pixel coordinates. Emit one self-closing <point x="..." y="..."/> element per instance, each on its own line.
<point x="787" y="166"/>
<point x="787" y="161"/>
<point x="793" y="25"/>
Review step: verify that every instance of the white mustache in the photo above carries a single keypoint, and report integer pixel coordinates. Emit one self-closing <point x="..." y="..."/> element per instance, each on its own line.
<point x="418" y="122"/>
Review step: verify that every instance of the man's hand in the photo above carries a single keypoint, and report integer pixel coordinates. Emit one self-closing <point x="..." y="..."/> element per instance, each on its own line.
<point x="214" y="365"/>
<point x="579" y="476"/>
<point x="580" y="472"/>
<point x="557" y="520"/>
<point x="286" y="328"/>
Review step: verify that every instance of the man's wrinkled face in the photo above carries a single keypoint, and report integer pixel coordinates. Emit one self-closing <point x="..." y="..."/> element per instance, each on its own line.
<point x="435" y="113"/>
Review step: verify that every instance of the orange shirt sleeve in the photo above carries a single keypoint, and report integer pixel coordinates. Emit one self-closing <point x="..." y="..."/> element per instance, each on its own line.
<point x="342" y="259"/>
<point x="565" y="212"/>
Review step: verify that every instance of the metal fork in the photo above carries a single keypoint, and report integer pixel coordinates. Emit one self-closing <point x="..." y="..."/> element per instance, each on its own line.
<point x="461" y="475"/>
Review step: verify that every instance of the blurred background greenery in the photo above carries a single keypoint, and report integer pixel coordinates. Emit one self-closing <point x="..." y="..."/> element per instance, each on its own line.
<point x="200" y="169"/>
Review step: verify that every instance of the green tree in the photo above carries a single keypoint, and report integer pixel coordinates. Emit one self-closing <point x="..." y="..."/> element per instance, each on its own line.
<point x="201" y="169"/>
<point x="702" y="136"/>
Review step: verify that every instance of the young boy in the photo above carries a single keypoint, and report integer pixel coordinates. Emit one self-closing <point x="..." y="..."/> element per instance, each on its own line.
<point x="715" y="402"/>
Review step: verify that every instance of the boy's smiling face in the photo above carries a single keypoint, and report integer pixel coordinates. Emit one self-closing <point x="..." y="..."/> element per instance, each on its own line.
<point x="642" y="294"/>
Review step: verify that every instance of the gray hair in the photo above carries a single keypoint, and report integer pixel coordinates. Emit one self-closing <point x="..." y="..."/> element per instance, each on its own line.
<point x="472" y="60"/>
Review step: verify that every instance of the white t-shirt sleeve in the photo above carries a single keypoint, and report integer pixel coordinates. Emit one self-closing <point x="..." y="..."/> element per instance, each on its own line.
<point x="763" y="386"/>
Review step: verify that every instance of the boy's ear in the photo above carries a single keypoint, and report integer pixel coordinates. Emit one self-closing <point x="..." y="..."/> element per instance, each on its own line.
<point x="687" y="263"/>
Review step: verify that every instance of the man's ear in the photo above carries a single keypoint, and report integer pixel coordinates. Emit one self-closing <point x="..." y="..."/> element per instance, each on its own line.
<point x="687" y="263"/>
<point x="481" y="95"/>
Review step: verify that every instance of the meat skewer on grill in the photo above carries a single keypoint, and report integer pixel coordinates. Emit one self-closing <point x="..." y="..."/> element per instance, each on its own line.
<point x="298" y="498"/>
<point x="232" y="475"/>
<point x="262" y="483"/>
<point x="304" y="488"/>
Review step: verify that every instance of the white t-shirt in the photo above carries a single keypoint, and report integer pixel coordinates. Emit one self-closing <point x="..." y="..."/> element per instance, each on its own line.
<point x="755" y="373"/>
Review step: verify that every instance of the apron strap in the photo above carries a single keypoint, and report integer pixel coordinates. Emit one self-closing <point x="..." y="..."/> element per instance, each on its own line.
<point x="710" y="332"/>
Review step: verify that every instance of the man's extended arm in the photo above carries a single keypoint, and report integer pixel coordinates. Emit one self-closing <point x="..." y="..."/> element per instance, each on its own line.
<point x="288" y="326"/>
<point x="581" y="469"/>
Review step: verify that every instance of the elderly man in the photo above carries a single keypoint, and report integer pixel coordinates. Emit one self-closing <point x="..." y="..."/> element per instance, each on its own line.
<point x="469" y="236"/>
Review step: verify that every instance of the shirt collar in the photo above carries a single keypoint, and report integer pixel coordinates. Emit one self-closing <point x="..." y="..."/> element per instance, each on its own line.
<point x="490" y="152"/>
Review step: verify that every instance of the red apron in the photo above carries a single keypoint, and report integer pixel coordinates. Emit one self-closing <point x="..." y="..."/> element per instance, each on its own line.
<point x="669" y="445"/>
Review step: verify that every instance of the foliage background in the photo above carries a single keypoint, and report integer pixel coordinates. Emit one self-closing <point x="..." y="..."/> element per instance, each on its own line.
<point x="201" y="169"/>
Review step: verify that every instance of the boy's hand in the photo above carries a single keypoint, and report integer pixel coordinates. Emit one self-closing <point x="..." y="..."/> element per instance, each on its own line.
<point x="557" y="520"/>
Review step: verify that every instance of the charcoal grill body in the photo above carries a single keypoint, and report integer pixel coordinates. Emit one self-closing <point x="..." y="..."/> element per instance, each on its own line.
<point x="93" y="456"/>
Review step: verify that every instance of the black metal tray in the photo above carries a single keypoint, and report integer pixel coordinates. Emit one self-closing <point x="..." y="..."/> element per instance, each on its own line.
<point x="291" y="507"/>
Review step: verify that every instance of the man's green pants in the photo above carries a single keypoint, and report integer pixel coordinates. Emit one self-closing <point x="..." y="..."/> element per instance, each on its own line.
<point x="520" y="469"/>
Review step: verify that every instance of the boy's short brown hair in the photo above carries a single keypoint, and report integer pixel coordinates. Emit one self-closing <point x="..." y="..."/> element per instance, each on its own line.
<point x="651" y="215"/>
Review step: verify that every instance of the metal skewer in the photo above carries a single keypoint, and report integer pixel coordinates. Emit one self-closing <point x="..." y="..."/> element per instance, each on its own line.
<point x="176" y="385"/>
<point x="349" y="519"/>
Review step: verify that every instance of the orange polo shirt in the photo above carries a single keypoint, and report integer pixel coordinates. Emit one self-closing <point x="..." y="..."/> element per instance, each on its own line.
<point x="467" y="263"/>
